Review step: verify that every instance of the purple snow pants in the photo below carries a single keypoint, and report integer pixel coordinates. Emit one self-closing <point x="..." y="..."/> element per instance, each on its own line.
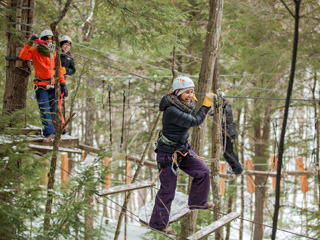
<point x="199" y="190"/>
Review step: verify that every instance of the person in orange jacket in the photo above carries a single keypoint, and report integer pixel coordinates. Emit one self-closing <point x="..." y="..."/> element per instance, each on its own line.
<point x="44" y="70"/>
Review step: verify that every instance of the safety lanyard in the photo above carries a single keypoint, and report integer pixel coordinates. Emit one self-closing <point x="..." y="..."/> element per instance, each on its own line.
<point x="175" y="164"/>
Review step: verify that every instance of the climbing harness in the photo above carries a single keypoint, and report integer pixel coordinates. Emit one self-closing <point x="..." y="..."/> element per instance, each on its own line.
<point x="176" y="159"/>
<point x="36" y="87"/>
<point x="165" y="140"/>
<point x="60" y="103"/>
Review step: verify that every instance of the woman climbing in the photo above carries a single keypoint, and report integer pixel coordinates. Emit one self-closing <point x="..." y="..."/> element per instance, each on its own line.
<point x="67" y="60"/>
<point x="174" y="152"/>
<point x="44" y="59"/>
<point x="68" y="67"/>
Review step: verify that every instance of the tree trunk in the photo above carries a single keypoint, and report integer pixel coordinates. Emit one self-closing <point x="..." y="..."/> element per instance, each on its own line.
<point x="285" y="116"/>
<point x="317" y="137"/>
<point x="17" y="71"/>
<point x="56" y="142"/>
<point x="261" y="137"/>
<point x="15" y="94"/>
<point x="243" y="133"/>
<point x="209" y="58"/>
<point x="89" y="135"/>
<point x="216" y="145"/>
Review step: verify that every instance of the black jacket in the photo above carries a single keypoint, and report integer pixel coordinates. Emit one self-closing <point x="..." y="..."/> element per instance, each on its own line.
<point x="229" y="124"/>
<point x="68" y="62"/>
<point x="176" y="124"/>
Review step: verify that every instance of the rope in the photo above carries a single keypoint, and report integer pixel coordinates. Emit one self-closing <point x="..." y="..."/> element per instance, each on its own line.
<point x="120" y="70"/>
<point x="265" y="225"/>
<point x="212" y="210"/>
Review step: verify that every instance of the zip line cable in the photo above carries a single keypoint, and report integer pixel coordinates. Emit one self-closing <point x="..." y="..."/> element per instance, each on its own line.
<point x="120" y="70"/>
<point x="131" y="60"/>
<point x="186" y="74"/>
<point x="227" y="75"/>
<point x="148" y="79"/>
<point x="229" y="96"/>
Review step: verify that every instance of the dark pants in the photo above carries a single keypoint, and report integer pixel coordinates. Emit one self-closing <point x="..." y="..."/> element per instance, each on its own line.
<point x="230" y="155"/>
<point x="199" y="190"/>
<point x="46" y="102"/>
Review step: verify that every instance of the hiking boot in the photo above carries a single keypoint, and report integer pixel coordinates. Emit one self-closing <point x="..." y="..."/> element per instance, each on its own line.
<point x="65" y="131"/>
<point x="49" y="138"/>
<point x="208" y="206"/>
<point x="169" y="231"/>
<point x="238" y="172"/>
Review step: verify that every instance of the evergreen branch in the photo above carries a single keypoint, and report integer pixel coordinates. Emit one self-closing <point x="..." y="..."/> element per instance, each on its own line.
<point x="131" y="11"/>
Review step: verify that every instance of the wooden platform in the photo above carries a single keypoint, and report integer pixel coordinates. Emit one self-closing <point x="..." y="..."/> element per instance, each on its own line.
<point x="179" y="208"/>
<point x="125" y="188"/>
<point x="45" y="149"/>
<point x="65" y="141"/>
<point x="214" y="226"/>
<point x="23" y="131"/>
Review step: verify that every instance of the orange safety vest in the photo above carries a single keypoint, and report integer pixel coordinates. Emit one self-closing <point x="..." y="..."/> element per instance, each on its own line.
<point x="41" y="63"/>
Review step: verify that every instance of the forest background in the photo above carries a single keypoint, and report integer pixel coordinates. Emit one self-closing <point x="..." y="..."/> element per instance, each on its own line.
<point x="126" y="54"/>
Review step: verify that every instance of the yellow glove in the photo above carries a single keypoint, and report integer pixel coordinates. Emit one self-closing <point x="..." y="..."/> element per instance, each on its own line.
<point x="208" y="99"/>
<point x="64" y="70"/>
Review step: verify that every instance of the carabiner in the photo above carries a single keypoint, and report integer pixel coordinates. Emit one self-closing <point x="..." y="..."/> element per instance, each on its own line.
<point x="174" y="165"/>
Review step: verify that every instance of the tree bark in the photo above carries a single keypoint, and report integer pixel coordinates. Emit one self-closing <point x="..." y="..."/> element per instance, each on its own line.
<point x="17" y="71"/>
<point x="243" y="133"/>
<point x="261" y="137"/>
<point x="15" y="94"/>
<point x="209" y="58"/>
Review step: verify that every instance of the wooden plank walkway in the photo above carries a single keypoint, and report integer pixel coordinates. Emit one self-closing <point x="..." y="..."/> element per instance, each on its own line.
<point x="214" y="226"/>
<point x="45" y="149"/>
<point x="23" y="131"/>
<point x="65" y="141"/>
<point x="125" y="188"/>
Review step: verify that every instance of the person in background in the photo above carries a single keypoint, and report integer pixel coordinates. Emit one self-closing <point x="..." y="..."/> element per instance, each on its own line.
<point x="67" y="63"/>
<point x="174" y="152"/>
<point x="228" y="135"/>
<point x="44" y="70"/>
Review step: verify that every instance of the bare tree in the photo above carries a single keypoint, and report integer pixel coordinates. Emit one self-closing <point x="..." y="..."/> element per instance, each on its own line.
<point x="286" y="111"/>
<point x="209" y="58"/>
<point x="56" y="142"/>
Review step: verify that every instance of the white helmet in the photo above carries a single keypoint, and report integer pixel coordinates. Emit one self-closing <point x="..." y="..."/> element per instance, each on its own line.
<point x="182" y="82"/>
<point x="64" y="39"/>
<point x="46" y="33"/>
